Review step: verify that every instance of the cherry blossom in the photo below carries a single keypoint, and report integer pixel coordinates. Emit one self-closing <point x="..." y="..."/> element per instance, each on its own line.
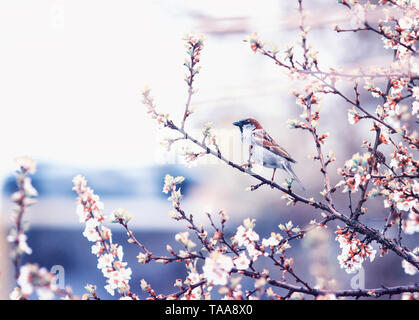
<point x="354" y="251"/>
<point x="120" y="215"/>
<point x="26" y="164"/>
<point x="34" y="279"/>
<point x="216" y="268"/>
<point x="110" y="255"/>
<point x="408" y="267"/>
<point x="241" y="262"/>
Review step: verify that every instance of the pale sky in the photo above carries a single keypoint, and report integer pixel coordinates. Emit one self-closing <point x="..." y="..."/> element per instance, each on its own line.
<point x="71" y="75"/>
<point x="72" y="72"/>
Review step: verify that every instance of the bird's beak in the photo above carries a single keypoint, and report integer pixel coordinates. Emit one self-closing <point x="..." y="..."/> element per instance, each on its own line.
<point x="237" y="123"/>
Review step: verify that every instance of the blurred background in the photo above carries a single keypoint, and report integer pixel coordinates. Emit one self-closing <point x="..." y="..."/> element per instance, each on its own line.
<point x="70" y="83"/>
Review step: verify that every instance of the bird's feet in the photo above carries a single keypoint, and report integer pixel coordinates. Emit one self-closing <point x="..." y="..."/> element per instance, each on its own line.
<point x="247" y="166"/>
<point x="271" y="184"/>
<point x="253" y="187"/>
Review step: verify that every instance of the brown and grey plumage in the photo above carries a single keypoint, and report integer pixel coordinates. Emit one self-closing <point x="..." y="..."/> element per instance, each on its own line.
<point x="264" y="149"/>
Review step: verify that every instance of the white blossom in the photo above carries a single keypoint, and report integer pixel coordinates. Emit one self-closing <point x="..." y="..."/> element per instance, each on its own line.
<point x="241" y="262"/>
<point x="216" y="268"/>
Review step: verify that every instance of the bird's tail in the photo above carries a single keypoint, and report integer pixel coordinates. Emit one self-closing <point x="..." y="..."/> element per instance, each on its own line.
<point x="291" y="172"/>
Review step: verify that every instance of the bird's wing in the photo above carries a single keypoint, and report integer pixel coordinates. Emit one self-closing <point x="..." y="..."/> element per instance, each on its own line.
<point x="263" y="139"/>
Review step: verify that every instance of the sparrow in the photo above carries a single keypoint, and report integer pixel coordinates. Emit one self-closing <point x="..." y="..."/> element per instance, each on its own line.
<point x="263" y="149"/>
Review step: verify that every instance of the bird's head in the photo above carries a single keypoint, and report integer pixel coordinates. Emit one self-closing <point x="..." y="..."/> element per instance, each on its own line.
<point x="248" y="124"/>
